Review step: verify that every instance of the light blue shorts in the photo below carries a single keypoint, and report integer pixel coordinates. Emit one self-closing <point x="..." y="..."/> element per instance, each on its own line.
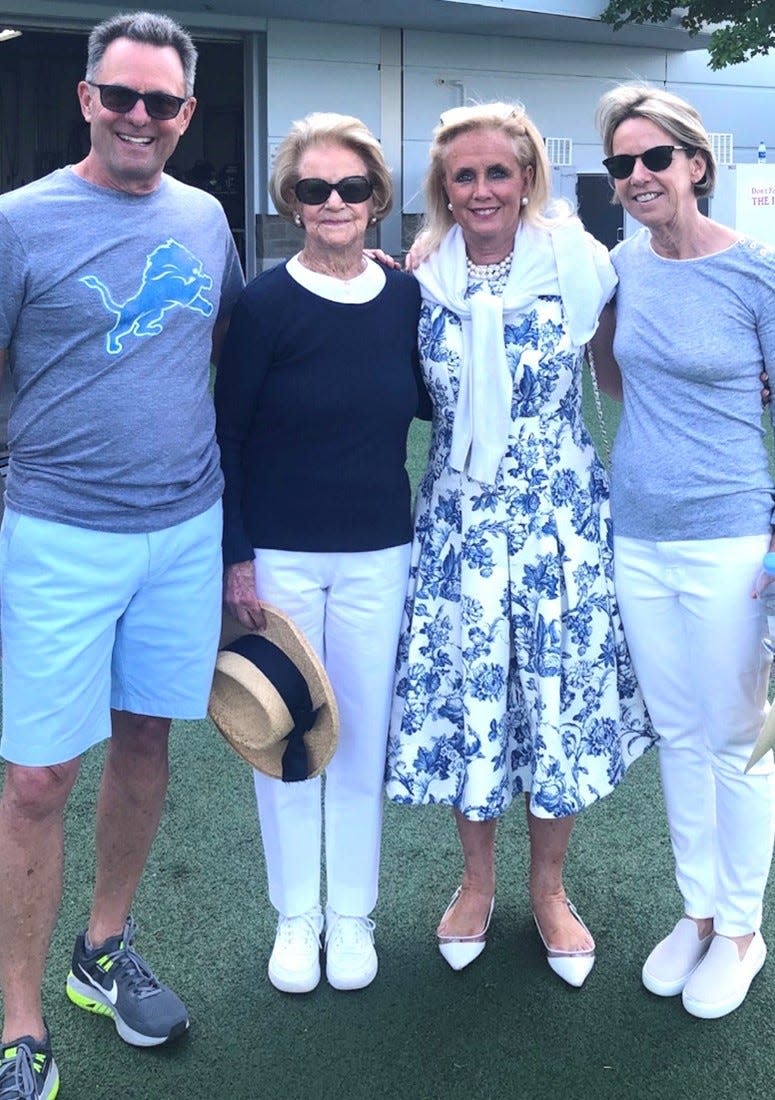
<point x="93" y="620"/>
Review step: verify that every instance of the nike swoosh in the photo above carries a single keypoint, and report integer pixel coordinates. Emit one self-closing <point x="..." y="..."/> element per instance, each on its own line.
<point x="111" y="993"/>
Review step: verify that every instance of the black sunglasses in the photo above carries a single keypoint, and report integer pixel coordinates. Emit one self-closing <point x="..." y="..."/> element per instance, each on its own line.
<point x="314" y="192"/>
<point x="656" y="159"/>
<point x="159" y="105"/>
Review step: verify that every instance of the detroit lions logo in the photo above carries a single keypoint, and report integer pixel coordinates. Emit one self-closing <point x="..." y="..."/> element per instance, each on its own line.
<point x="172" y="277"/>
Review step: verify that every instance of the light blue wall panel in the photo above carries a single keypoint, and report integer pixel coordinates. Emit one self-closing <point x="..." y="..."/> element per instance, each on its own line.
<point x="739" y="100"/>
<point x="747" y="113"/>
<point x="312" y="67"/>
<point x="316" y="66"/>
<point x="559" y="83"/>
<point x="297" y="87"/>
<point x="488" y="53"/>
<point x="692" y="68"/>
<point x="324" y="41"/>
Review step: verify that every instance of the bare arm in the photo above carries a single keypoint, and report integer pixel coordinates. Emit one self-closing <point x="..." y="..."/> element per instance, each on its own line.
<point x="609" y="377"/>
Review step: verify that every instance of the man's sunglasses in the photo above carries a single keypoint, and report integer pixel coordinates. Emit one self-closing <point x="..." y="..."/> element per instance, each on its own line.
<point x="159" y="105"/>
<point x="314" y="192"/>
<point x="656" y="159"/>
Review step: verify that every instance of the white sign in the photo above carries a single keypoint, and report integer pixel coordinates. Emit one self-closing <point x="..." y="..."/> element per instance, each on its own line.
<point x="756" y="201"/>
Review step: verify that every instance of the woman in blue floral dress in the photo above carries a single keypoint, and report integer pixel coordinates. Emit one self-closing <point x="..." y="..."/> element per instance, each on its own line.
<point x="513" y="675"/>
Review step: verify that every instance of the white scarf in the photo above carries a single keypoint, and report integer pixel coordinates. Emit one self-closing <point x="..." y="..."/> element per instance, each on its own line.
<point x="563" y="260"/>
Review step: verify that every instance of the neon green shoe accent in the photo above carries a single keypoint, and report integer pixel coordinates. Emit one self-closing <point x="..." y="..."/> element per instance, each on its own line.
<point x="88" y="1003"/>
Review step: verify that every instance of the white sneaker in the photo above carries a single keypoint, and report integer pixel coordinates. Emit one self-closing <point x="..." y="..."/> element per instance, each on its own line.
<point x="675" y="958"/>
<point x="351" y="961"/>
<point x="294" y="965"/>
<point x="721" y="982"/>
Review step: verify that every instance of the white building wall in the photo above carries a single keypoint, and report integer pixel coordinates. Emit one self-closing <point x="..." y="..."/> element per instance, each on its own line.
<point x="738" y="100"/>
<point x="317" y="66"/>
<point x="333" y="67"/>
<point x="320" y="67"/>
<point x="559" y="83"/>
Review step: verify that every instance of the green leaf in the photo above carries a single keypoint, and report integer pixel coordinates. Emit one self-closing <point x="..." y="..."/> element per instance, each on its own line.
<point x="747" y="26"/>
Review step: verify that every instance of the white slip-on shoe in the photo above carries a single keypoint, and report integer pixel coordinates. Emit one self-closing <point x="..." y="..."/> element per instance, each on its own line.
<point x="459" y="951"/>
<point x="721" y="982"/>
<point x="294" y="965"/>
<point x="351" y="960"/>
<point x="672" y="962"/>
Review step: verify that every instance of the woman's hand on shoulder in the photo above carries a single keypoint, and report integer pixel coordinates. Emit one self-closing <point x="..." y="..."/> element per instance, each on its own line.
<point x="382" y="258"/>
<point x="419" y="251"/>
<point x="239" y="595"/>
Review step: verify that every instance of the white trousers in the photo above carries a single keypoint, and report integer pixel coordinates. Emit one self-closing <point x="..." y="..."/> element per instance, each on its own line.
<point x="695" y="638"/>
<point x="349" y="606"/>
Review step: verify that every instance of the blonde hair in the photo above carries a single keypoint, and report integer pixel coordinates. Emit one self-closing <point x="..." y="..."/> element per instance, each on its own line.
<point x="671" y="113"/>
<point x="327" y="128"/>
<point x="511" y="120"/>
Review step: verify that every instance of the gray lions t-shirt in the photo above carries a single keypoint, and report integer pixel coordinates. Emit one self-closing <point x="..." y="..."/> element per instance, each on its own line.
<point x="107" y="306"/>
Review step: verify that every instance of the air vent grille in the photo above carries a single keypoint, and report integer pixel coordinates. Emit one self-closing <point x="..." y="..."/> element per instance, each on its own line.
<point x="559" y="151"/>
<point x="723" y="146"/>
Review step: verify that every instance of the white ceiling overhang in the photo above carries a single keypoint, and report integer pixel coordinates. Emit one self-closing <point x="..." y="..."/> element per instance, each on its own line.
<point x="565" y="20"/>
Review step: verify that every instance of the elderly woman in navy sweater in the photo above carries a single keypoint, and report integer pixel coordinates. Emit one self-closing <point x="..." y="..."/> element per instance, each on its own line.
<point x="318" y="383"/>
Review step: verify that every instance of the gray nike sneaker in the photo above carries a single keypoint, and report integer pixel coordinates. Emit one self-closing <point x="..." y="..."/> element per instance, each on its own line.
<point x="112" y="980"/>
<point x="28" y="1070"/>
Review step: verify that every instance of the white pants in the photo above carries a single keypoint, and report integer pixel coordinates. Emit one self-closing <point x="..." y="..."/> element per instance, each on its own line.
<point x="695" y="638"/>
<point x="349" y="606"/>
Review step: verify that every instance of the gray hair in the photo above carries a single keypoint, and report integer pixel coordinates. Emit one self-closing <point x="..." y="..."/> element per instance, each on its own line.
<point x="147" y="27"/>
<point x="327" y="128"/>
<point x="668" y="111"/>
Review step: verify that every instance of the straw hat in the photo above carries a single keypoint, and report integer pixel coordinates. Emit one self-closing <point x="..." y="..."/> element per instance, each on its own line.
<point x="271" y="698"/>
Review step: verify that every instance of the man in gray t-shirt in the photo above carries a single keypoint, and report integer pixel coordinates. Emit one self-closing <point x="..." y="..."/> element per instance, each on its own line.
<point x="117" y="285"/>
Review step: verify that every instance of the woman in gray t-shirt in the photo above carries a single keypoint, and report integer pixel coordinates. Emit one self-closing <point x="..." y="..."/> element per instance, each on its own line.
<point x="692" y="499"/>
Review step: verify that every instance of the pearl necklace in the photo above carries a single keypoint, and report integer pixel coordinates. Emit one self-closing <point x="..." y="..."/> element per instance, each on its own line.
<point x="495" y="275"/>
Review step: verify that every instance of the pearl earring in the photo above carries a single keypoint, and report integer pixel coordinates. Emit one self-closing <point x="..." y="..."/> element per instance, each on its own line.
<point x="297" y="220"/>
<point x="449" y="206"/>
<point x="523" y="201"/>
<point x="373" y="219"/>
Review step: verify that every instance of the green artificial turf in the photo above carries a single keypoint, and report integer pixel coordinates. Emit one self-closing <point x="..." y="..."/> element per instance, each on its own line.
<point x="504" y="1028"/>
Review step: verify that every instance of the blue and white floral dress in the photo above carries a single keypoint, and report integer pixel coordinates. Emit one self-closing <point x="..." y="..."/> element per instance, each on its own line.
<point x="513" y="672"/>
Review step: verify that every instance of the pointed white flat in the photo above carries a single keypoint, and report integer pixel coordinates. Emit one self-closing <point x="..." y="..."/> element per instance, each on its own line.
<point x="459" y="951"/>
<point x="572" y="966"/>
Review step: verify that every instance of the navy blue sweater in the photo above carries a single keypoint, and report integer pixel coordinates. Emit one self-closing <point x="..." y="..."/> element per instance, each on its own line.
<point x="314" y="399"/>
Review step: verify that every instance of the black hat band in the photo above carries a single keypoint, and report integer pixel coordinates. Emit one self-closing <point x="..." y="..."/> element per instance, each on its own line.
<point x="292" y="688"/>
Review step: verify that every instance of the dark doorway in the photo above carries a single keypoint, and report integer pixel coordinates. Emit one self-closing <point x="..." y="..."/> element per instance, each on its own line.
<point x="600" y="217"/>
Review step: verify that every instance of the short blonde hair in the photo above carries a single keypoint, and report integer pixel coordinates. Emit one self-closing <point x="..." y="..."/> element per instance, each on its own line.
<point x="510" y="119"/>
<point x="671" y="113"/>
<point x="327" y="128"/>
